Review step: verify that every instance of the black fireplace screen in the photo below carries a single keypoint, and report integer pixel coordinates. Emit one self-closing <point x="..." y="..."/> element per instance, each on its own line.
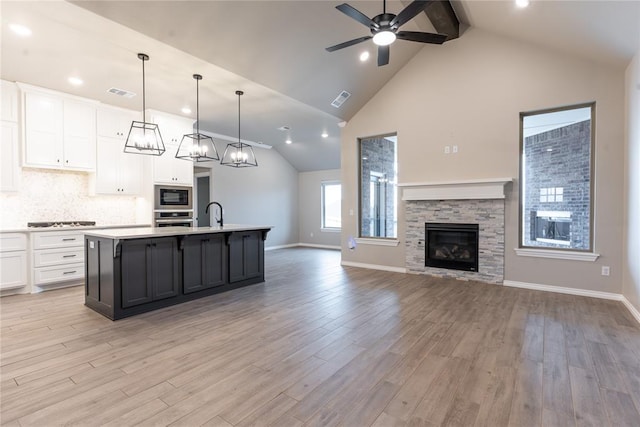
<point x="452" y="246"/>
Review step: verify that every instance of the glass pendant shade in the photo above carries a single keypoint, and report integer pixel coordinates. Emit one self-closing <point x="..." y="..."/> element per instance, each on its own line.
<point x="238" y="154"/>
<point x="144" y="137"/>
<point x="196" y="146"/>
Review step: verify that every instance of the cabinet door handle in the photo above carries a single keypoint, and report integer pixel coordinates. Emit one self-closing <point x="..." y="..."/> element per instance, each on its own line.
<point x="70" y="272"/>
<point x="69" y="256"/>
<point x="70" y="239"/>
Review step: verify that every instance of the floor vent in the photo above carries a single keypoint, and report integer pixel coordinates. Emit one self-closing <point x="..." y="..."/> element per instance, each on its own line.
<point x="121" y="92"/>
<point x="344" y="95"/>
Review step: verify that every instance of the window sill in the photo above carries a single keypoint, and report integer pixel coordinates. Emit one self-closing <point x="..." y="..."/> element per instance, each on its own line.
<point x="377" y="242"/>
<point x="331" y="230"/>
<point x="550" y="253"/>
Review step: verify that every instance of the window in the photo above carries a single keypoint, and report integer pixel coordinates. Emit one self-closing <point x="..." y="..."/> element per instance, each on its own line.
<point x="556" y="178"/>
<point x="378" y="189"/>
<point x="331" y="205"/>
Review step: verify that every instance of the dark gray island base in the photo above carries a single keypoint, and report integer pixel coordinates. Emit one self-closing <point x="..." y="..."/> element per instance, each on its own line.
<point x="129" y="272"/>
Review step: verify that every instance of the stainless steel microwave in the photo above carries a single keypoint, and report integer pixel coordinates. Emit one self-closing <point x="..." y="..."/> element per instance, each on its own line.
<point x="173" y="197"/>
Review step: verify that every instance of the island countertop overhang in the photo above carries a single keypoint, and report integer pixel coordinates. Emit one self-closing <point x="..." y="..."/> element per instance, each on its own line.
<point x="154" y="232"/>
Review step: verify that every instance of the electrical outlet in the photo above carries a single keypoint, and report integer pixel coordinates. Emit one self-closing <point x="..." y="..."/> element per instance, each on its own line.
<point x="447" y="149"/>
<point x="455" y="149"/>
<point x="350" y="212"/>
<point x="605" y="270"/>
<point x="310" y="234"/>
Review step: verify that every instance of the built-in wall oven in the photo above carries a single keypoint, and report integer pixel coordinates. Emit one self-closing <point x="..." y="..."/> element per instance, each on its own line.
<point x="169" y="197"/>
<point x="166" y="218"/>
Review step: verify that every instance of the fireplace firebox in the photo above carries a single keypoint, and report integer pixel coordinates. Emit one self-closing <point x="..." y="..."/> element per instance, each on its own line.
<point x="452" y="246"/>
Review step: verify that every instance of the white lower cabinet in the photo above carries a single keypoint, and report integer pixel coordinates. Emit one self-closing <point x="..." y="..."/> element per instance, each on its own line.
<point x="58" y="257"/>
<point x="13" y="261"/>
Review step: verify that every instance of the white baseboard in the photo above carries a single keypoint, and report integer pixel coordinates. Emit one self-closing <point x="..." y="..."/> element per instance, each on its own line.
<point x="634" y="311"/>
<point x="573" y="291"/>
<point x="291" y="245"/>
<point x="313" y="245"/>
<point x="374" y="266"/>
<point x="563" y="290"/>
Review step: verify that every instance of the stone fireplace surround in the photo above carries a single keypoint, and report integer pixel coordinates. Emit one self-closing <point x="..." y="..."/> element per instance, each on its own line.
<point x="474" y="202"/>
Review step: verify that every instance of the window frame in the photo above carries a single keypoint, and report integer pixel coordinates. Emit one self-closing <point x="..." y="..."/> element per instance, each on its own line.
<point x="525" y="249"/>
<point x="375" y="240"/>
<point x="323" y="184"/>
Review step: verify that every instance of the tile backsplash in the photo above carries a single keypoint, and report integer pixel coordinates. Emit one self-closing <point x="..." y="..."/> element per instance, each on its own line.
<point x="48" y="195"/>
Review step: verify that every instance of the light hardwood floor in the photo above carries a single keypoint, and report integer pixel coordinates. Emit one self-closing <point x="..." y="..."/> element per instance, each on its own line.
<point x="318" y="344"/>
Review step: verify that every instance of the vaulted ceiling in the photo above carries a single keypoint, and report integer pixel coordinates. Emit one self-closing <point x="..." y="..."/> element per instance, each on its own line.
<point x="274" y="51"/>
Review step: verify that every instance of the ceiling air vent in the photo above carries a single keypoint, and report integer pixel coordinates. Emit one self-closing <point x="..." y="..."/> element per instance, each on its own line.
<point x="121" y="92"/>
<point x="344" y="95"/>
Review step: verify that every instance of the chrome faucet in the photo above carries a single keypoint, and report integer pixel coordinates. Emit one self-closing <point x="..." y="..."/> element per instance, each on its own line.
<point x="206" y="210"/>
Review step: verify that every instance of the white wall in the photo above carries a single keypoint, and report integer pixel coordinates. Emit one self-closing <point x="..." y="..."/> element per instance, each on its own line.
<point x="469" y="93"/>
<point x="264" y="195"/>
<point x="48" y="195"/>
<point x="631" y="277"/>
<point x="310" y="206"/>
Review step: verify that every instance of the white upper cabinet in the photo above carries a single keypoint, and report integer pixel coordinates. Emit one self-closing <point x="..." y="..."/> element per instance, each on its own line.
<point x="117" y="172"/>
<point x="10" y="97"/>
<point x="9" y="141"/>
<point x="115" y="122"/>
<point x="9" y="157"/>
<point x="60" y="133"/>
<point x="44" y="127"/>
<point x="79" y="135"/>
<point x="167" y="169"/>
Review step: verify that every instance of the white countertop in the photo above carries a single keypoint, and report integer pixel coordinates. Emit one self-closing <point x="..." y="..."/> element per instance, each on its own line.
<point x="83" y="228"/>
<point x="148" y="232"/>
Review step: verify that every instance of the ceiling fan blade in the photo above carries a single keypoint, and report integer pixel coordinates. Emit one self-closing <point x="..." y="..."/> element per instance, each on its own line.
<point x="354" y="13"/>
<point x="409" y="12"/>
<point x="347" y="44"/>
<point x="383" y="55"/>
<point x="415" y="36"/>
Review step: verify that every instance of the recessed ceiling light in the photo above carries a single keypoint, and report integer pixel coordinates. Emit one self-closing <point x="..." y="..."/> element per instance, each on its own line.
<point x="186" y="110"/>
<point x="549" y="149"/>
<point x="364" y="56"/>
<point x="325" y="135"/>
<point x="288" y="141"/>
<point x="20" y="30"/>
<point x="522" y="3"/>
<point x="76" y="81"/>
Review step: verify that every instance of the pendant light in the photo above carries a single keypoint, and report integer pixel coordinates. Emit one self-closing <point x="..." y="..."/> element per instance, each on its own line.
<point x="238" y="154"/>
<point x="196" y="146"/>
<point x="144" y="138"/>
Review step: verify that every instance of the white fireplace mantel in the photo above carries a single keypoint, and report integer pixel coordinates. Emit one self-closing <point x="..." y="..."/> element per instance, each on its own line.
<point x="492" y="188"/>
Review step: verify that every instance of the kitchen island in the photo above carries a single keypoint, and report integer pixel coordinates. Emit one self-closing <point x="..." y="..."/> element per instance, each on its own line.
<point x="132" y="271"/>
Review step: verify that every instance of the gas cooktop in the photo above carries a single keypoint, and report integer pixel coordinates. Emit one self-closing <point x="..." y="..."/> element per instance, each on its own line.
<point x="60" y="224"/>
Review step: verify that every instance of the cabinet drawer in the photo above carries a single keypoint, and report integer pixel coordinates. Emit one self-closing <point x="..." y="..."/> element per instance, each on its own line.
<point x="13" y="269"/>
<point x="44" y="275"/>
<point x="58" y="239"/>
<point x="47" y="257"/>
<point x="13" y="242"/>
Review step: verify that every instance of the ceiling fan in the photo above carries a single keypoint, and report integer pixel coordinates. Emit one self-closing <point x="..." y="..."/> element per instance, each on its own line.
<point x="384" y="28"/>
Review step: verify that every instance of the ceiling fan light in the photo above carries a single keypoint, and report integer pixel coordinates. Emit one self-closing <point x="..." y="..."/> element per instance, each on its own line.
<point x="384" y="38"/>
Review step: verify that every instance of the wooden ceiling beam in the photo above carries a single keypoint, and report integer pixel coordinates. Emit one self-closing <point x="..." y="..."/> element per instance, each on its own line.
<point x="443" y="18"/>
